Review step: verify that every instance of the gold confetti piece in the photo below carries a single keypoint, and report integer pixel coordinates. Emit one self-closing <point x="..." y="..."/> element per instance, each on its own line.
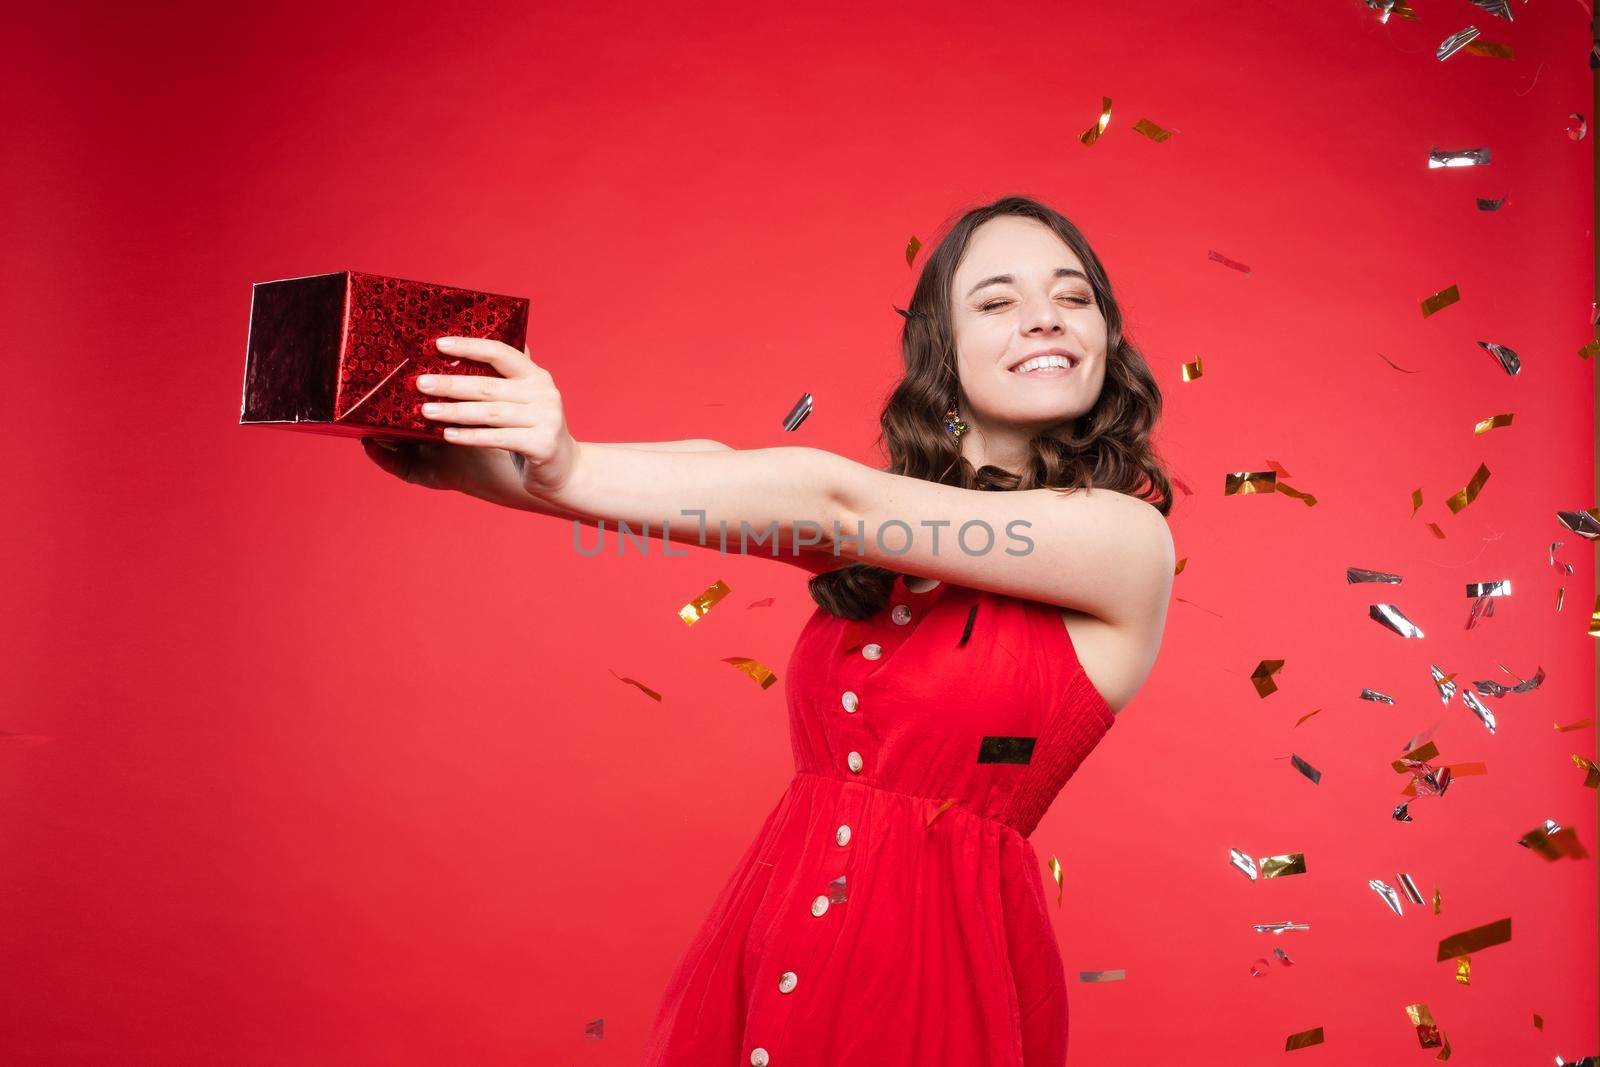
<point x="1464" y="970"/>
<point x="912" y="247"/>
<point x="1594" y="619"/>
<point x="1151" y="130"/>
<point x="1092" y="134"/>
<point x="1416" y="501"/>
<point x="1310" y="500"/>
<point x="1591" y="780"/>
<point x="1440" y="300"/>
<point x="1491" y="423"/>
<point x="1579" y="725"/>
<point x="1055" y="872"/>
<point x="1466" y="495"/>
<point x="1243" y="483"/>
<point x="1117" y="975"/>
<point x="1191" y="371"/>
<point x="1422" y="1019"/>
<point x="754" y="669"/>
<point x="1590" y="349"/>
<point x="942" y="809"/>
<point x="651" y="693"/>
<point x="1306" y="716"/>
<point x="1492" y="49"/>
<point x="1283" y="866"/>
<point x="1436" y="531"/>
<point x="1437" y="901"/>
<point x="1394" y="619"/>
<point x="1182" y="563"/>
<point x="1263" y="676"/>
<point x="1304" y="1039"/>
<point x="1475" y="939"/>
<point x="1395" y="365"/>
<point x="1422" y="755"/>
<point x="696" y="609"/>
<point x="1234" y="264"/>
<point x="1553" y="845"/>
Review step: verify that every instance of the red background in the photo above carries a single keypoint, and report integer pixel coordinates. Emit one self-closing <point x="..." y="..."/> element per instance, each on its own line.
<point x="336" y="769"/>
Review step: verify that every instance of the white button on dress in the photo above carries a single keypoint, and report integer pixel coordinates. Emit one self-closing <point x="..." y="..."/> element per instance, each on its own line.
<point x="872" y="651"/>
<point x="819" y="905"/>
<point x="758" y="1057"/>
<point x="901" y="614"/>
<point x="842" y="835"/>
<point x="787" y="981"/>
<point x="854" y="760"/>
<point x="850" y="701"/>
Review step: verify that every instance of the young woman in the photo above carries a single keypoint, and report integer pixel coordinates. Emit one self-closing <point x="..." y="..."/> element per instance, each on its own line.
<point x="986" y="606"/>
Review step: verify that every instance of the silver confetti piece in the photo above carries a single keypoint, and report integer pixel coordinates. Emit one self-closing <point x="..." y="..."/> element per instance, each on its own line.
<point x="1486" y="204"/>
<point x="1278" y="928"/>
<point x="1393" y="618"/>
<point x="1495" y="7"/>
<point x="798" y="413"/>
<point x="1284" y="956"/>
<point x="1376" y="697"/>
<point x="1453" y="43"/>
<point x="1446" y="689"/>
<point x="1501" y="587"/>
<point x="1400" y="813"/>
<point x="1581" y="523"/>
<point x="1474" y="705"/>
<point x="1409" y="887"/>
<point x="1306" y="769"/>
<point x="1457" y="157"/>
<point x="1390" y="897"/>
<point x="1352" y="575"/>
<point x="1510" y="362"/>
<point x="1562" y="564"/>
<point x="1243" y="863"/>
<point x="836" y="894"/>
<point x="1495" y="689"/>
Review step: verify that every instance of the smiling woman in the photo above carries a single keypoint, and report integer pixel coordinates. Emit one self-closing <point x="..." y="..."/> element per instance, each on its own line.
<point x="932" y="725"/>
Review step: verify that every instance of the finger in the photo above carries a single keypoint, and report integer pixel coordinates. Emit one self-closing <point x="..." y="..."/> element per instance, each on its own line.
<point x="511" y="438"/>
<point x="502" y="357"/>
<point x="470" y="386"/>
<point x="481" y="413"/>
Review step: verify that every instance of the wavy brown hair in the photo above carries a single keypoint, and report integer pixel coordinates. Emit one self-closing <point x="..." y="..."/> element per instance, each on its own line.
<point x="1109" y="445"/>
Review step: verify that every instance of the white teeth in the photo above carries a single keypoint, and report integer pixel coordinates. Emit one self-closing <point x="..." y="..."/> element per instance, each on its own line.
<point x="1040" y="363"/>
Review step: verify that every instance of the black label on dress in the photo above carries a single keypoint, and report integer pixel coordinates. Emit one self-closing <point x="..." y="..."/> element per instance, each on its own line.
<point x="1006" y="750"/>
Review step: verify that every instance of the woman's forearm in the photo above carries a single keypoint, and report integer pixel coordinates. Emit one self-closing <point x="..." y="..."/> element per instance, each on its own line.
<point x="777" y="501"/>
<point x="503" y="483"/>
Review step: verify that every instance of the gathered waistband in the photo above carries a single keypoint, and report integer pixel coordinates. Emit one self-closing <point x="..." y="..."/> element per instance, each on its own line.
<point x="934" y="802"/>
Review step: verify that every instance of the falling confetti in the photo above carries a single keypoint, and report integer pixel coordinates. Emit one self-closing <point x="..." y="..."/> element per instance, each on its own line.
<point x="697" y="608"/>
<point x="1442" y="299"/>
<point x="761" y="674"/>
<point x="1092" y="134"/>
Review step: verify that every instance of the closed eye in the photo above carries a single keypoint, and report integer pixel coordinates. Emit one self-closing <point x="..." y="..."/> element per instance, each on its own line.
<point x="1081" y="300"/>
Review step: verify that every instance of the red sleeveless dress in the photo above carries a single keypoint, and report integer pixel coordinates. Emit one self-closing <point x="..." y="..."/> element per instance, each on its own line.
<point x="865" y="927"/>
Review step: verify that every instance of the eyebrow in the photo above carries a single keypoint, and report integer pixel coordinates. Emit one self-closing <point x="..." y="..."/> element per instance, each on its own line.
<point x="1006" y="279"/>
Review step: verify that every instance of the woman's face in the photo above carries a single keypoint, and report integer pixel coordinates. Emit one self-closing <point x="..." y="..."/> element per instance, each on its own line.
<point x="1042" y="300"/>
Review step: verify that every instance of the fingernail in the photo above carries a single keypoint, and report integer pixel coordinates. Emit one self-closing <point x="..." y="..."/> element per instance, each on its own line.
<point x="446" y="342"/>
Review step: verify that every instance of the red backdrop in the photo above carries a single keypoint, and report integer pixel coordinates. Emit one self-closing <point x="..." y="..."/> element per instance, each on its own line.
<point x="312" y="766"/>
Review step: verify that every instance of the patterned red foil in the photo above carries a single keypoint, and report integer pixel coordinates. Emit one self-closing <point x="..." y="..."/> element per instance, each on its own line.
<point x="340" y="353"/>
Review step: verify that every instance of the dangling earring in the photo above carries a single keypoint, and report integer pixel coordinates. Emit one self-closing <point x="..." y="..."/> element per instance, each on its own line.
<point x="952" y="422"/>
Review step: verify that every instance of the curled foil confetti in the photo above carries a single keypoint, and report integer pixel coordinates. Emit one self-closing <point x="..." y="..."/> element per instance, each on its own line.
<point x="1151" y="130"/>
<point x="797" y="414"/>
<point x="1510" y="362"/>
<point x="1055" y="872"/>
<point x="1410" y="888"/>
<point x="1492" y="49"/>
<point x="1553" y="842"/>
<point x="1578" y="128"/>
<point x="1486" y="204"/>
<point x="836" y="891"/>
<point x="1278" y="928"/>
<point x="596" y="1029"/>
<point x="1491" y="423"/>
<point x="1437" y="901"/>
<point x="1561" y="565"/>
<point x="1283" y="956"/>
<point x="1306" y="769"/>
<point x="1303" y="1039"/>
<point x="1389" y="896"/>
<point x="1400" y="814"/>
<point x="1244" y="483"/>
<point x="1392" y="618"/>
<point x="1482" y="608"/>
<point x="1475" y="939"/>
<point x="651" y="693"/>
<point x="1495" y="689"/>
<point x="1306" y="716"/>
<point x="1355" y="575"/>
<point x="1474" y="705"/>
<point x="1499" y="587"/>
<point x="1585" y="524"/>
<point x="1232" y="264"/>
<point x="942" y="809"/>
<point x="1458" y="500"/>
<point x="1589" y="349"/>
<point x="1386" y="7"/>
<point x="1495" y="7"/>
<point x="1289" y="490"/>
<point x="1192" y="371"/>
<point x="1283" y="866"/>
<point x="697" y="608"/>
<point x="912" y="247"/>
<point x="1452" y="44"/>
<point x="1258" y="968"/>
<point x="1092" y="134"/>
<point x="1440" y="300"/>
<point x="1457" y="157"/>
<point x="1591" y="779"/>
<point x="1263" y="677"/>
<point x="1103" y="976"/>
<point x="761" y="674"/>
<point x="1376" y="697"/>
<point x="1441" y="680"/>
<point x="1427" y="1029"/>
<point x="1242" y="862"/>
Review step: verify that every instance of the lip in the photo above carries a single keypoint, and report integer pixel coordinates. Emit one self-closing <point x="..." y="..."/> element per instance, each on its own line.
<point x="1071" y="357"/>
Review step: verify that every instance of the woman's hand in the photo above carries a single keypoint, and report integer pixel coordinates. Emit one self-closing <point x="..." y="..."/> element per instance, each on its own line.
<point x="519" y="412"/>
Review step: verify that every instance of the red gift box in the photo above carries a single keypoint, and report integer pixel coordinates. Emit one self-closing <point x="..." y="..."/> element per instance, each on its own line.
<point x="340" y="353"/>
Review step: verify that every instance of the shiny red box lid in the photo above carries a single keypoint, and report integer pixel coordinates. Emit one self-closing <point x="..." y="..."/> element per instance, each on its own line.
<point x="340" y="353"/>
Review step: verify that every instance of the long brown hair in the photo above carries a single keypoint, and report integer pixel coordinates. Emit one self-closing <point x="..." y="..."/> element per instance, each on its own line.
<point x="1109" y="445"/>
